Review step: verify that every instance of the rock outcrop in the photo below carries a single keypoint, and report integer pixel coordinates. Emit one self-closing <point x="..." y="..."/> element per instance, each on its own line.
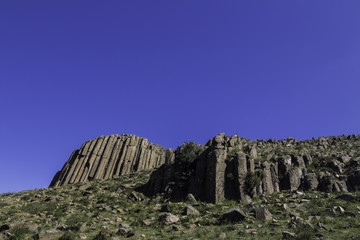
<point x="226" y="167"/>
<point x="109" y="156"/>
<point x="239" y="169"/>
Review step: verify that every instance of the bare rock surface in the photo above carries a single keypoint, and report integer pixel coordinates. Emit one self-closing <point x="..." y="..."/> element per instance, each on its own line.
<point x="109" y="156"/>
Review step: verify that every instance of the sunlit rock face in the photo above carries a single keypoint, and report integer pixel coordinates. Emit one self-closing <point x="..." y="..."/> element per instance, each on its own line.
<point x="109" y="156"/>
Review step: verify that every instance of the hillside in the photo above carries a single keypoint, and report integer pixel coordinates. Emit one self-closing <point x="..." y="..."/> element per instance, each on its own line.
<point x="122" y="186"/>
<point x="113" y="209"/>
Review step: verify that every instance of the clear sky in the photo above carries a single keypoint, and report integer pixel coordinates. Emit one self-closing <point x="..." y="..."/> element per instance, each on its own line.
<point x="170" y="71"/>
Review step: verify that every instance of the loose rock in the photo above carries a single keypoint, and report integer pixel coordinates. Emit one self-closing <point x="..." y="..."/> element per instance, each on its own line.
<point x="233" y="215"/>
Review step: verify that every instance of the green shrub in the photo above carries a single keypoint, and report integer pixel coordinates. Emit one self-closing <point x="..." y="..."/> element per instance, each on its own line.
<point x="36" y="207"/>
<point x="76" y="220"/>
<point x="231" y="154"/>
<point x="305" y="233"/>
<point x="60" y="210"/>
<point x="188" y="152"/>
<point x="184" y="167"/>
<point x="19" y="232"/>
<point x="259" y="159"/>
<point x="253" y="179"/>
<point x="69" y="236"/>
<point x="100" y="236"/>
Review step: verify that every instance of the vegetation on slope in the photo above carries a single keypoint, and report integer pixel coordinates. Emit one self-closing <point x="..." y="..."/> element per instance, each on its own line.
<point x="112" y="209"/>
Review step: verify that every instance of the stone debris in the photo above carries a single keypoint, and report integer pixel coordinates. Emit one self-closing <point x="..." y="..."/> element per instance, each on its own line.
<point x="168" y="218"/>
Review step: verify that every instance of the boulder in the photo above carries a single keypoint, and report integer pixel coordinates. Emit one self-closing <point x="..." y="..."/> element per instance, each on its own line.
<point x="253" y="152"/>
<point x="190" y="210"/>
<point x="295" y="178"/>
<point x="50" y="234"/>
<point x="219" y="140"/>
<point x="331" y="184"/>
<point x="191" y="198"/>
<point x="233" y="215"/>
<point x="288" y="235"/>
<point x="341" y="186"/>
<point x="147" y="222"/>
<point x="310" y="181"/>
<point x="168" y="218"/>
<point x="222" y="235"/>
<point x="262" y="214"/>
<point x="125" y="232"/>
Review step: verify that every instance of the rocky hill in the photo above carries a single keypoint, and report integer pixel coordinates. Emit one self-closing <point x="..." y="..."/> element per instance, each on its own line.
<point x="119" y="187"/>
<point x="226" y="167"/>
<point x="235" y="168"/>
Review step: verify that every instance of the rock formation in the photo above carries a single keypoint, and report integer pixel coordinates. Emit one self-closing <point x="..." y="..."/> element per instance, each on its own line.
<point x="108" y="156"/>
<point x="226" y="167"/>
<point x="237" y="168"/>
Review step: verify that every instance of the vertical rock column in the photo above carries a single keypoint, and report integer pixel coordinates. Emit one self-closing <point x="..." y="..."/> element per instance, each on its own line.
<point x="105" y="158"/>
<point x="65" y="170"/>
<point x="84" y="167"/>
<point x="241" y="170"/>
<point x="268" y="187"/>
<point x="215" y="178"/>
<point x="215" y="171"/>
<point x="91" y="158"/>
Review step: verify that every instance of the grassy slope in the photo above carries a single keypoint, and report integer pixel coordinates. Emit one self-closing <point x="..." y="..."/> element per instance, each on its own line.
<point x="82" y="211"/>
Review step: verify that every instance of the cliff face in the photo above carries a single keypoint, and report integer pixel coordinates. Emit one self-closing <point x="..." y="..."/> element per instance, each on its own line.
<point x="227" y="167"/>
<point x="108" y="156"/>
<point x="239" y="169"/>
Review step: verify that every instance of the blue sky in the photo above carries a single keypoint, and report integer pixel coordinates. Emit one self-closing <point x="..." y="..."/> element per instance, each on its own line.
<point x="170" y="71"/>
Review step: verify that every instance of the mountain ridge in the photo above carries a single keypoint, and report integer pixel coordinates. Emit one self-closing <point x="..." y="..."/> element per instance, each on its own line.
<point x="226" y="167"/>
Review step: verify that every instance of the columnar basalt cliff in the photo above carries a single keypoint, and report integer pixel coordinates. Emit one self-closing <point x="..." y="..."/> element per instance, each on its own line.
<point x="227" y="167"/>
<point x="108" y="156"/>
<point x="239" y="169"/>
